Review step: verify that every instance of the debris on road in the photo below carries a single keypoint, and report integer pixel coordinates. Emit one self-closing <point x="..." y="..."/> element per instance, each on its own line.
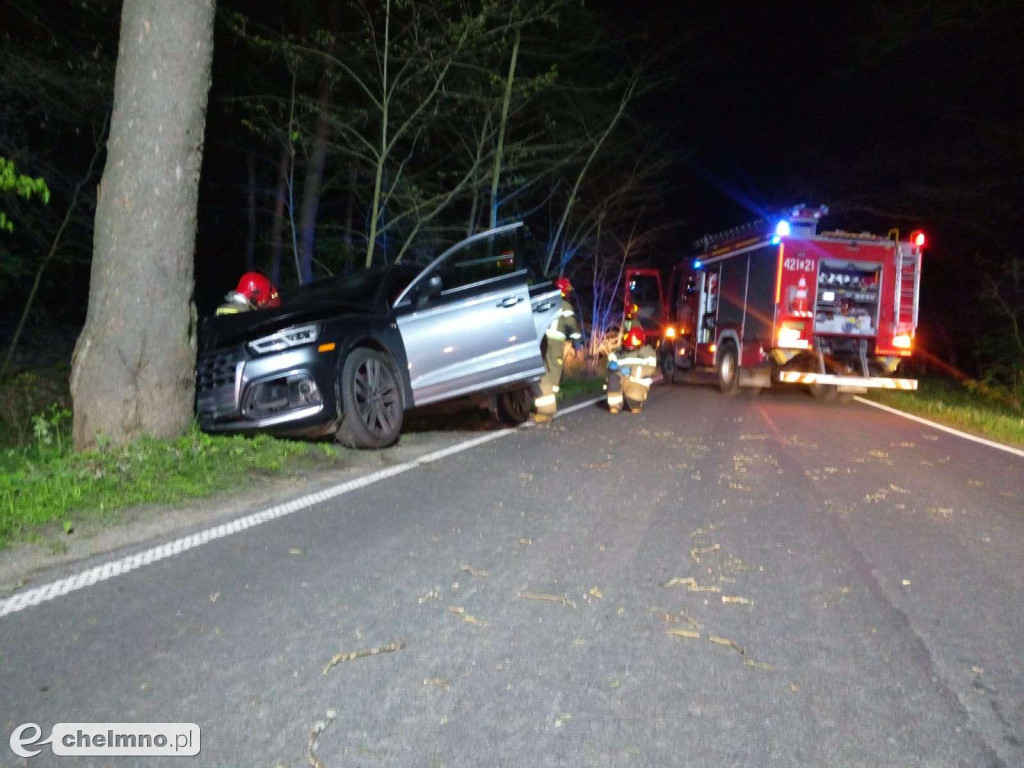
<point x="735" y="600"/>
<point x="340" y="658"/>
<point x="757" y="664"/>
<point x="695" y="551"/>
<point x="562" y="719"/>
<point x="688" y="633"/>
<point x="595" y="592"/>
<point x="475" y="572"/>
<point x="314" y="736"/>
<point x="548" y="598"/>
<point x="294" y="551"/>
<point x="438" y="682"/>
<point x="214" y="597"/>
<point x="458" y="610"/>
<point x="434" y="594"/>
<point x="526" y="542"/>
<point x="726" y="641"/>
<point x="687" y="581"/>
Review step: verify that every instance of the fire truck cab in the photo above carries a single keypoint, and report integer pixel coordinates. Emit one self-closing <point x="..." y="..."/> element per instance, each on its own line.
<point x="778" y="301"/>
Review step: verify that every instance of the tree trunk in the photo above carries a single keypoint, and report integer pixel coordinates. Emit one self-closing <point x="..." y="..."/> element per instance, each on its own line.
<point x="133" y="368"/>
<point x="496" y="173"/>
<point x="311" y="191"/>
<point x="277" y="227"/>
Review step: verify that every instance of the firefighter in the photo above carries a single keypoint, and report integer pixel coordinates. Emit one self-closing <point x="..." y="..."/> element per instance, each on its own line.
<point x="630" y="369"/>
<point x="564" y="327"/>
<point x="254" y="291"/>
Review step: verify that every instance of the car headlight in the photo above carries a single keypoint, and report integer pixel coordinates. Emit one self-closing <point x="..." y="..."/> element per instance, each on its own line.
<point x="289" y="337"/>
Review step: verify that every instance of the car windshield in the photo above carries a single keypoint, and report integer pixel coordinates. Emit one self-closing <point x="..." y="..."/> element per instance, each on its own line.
<point x="362" y="288"/>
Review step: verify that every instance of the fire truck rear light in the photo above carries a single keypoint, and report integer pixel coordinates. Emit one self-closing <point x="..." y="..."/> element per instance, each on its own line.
<point x="790" y="338"/>
<point x="917" y="239"/>
<point x="670" y="332"/>
<point x="712" y="348"/>
<point x="903" y="341"/>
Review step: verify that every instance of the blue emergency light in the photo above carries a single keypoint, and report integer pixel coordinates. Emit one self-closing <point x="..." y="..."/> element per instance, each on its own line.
<point x="696" y="263"/>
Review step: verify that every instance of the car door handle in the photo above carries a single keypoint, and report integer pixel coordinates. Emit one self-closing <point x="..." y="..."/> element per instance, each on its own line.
<point x="543" y="307"/>
<point x="511" y="301"/>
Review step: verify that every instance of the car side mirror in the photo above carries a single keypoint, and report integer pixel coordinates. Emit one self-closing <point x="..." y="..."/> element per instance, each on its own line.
<point x="428" y="291"/>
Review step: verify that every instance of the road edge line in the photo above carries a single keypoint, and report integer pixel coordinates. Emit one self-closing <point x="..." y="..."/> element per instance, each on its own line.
<point x="943" y="427"/>
<point x="54" y="589"/>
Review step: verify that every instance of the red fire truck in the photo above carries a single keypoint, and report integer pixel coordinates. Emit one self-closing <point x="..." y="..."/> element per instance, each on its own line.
<point x="779" y="301"/>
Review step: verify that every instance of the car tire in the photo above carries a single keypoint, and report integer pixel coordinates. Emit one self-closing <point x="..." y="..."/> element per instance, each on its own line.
<point x="371" y="401"/>
<point x="513" y="407"/>
<point x="728" y="370"/>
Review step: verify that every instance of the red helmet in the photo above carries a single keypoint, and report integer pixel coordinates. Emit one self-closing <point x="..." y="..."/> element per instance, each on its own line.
<point x="257" y="290"/>
<point x="563" y="284"/>
<point x="634" y="338"/>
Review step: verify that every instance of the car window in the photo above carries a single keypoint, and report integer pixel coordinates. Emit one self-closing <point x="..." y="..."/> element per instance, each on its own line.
<point x="480" y="260"/>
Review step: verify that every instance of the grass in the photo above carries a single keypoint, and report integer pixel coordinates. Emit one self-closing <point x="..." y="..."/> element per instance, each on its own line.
<point x="42" y="482"/>
<point x="579" y="386"/>
<point x="972" y="407"/>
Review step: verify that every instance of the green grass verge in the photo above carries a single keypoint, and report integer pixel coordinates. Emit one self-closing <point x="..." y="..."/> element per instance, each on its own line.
<point x="45" y="483"/>
<point x="972" y="407"/>
<point x="580" y="387"/>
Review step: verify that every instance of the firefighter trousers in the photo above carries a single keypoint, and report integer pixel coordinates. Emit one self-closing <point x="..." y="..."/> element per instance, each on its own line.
<point x="625" y="392"/>
<point x="546" y="402"/>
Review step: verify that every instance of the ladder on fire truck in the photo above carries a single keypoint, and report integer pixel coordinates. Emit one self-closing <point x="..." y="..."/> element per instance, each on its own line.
<point x="908" y="286"/>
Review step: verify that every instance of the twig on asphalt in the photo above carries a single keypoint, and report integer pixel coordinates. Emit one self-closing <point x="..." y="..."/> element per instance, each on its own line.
<point x="340" y="658"/>
<point x="438" y="682"/>
<point x="314" y="736"/>
<point x="475" y="572"/>
<point x="675" y="631"/>
<point x="458" y="610"/>
<point x="736" y="600"/>
<point x="726" y="641"/>
<point x="548" y="598"/>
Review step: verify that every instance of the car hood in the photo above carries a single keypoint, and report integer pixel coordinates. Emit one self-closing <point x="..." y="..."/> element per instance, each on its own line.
<point x="225" y="330"/>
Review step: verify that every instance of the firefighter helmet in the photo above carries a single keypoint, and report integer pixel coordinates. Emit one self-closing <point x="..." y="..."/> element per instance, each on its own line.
<point x="634" y="338"/>
<point x="563" y="284"/>
<point x="257" y="290"/>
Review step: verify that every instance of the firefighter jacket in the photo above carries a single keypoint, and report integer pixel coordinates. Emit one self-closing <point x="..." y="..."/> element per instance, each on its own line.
<point x="564" y="326"/>
<point x="638" y="365"/>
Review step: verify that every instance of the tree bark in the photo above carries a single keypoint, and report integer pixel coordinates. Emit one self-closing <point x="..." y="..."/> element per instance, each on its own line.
<point x="133" y="368"/>
<point x="311" y="190"/>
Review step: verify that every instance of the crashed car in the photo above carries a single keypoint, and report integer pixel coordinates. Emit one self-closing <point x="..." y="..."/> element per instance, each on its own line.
<point x="350" y="354"/>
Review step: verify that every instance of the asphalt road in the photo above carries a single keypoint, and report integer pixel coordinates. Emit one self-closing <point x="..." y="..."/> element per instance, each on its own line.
<point x="847" y="588"/>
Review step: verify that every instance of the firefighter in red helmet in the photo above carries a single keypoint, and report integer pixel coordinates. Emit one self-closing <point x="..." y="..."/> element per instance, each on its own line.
<point x="563" y="328"/>
<point x="254" y="291"/>
<point x="630" y="369"/>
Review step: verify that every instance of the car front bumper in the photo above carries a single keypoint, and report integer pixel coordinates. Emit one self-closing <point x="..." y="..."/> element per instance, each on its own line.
<point x="288" y="391"/>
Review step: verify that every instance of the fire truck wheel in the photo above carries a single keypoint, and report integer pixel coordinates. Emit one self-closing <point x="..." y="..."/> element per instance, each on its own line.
<point x="824" y="392"/>
<point x="728" y="370"/>
<point x="668" y="367"/>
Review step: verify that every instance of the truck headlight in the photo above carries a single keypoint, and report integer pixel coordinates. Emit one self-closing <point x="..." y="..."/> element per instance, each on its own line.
<point x="285" y="339"/>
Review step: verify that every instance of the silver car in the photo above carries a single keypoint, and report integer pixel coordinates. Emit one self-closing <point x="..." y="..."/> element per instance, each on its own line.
<point x="350" y="354"/>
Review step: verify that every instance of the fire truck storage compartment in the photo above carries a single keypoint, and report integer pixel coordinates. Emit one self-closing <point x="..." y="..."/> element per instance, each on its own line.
<point x="847" y="298"/>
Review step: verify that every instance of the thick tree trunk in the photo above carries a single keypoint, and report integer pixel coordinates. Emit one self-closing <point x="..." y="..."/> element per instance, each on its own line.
<point x="133" y="367"/>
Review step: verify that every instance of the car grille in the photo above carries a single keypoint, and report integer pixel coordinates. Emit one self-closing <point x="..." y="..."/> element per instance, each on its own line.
<point x="215" y="383"/>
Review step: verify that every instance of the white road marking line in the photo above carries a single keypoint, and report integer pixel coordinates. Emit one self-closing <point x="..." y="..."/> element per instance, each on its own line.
<point x="61" y="587"/>
<point x="942" y="427"/>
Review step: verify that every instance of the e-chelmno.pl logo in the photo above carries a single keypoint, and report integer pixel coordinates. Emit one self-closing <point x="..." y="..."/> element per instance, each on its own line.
<point x="132" y="739"/>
